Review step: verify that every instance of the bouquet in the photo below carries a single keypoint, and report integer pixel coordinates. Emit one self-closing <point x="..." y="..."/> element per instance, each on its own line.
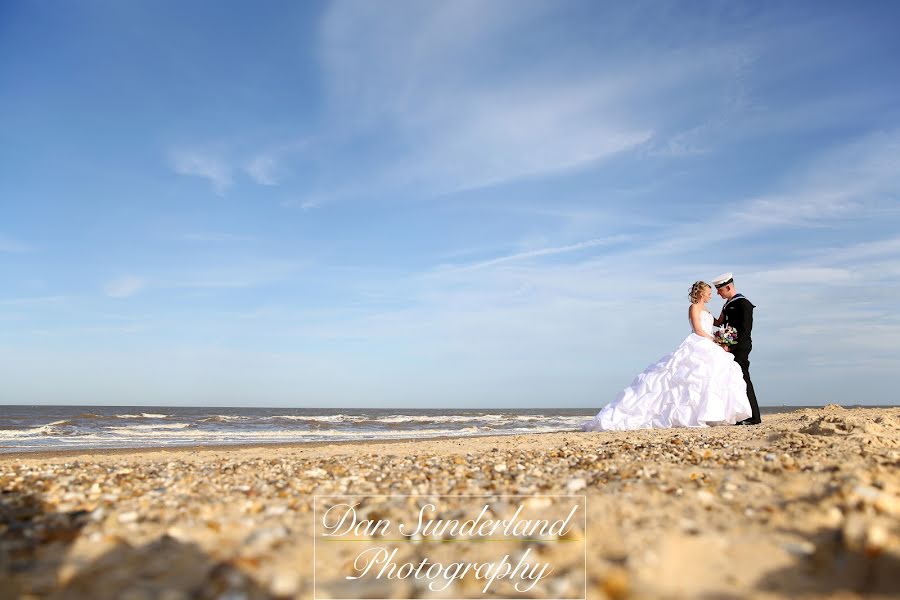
<point x="726" y="336"/>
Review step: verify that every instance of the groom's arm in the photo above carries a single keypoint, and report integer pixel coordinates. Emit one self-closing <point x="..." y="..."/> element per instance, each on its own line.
<point x="720" y="319"/>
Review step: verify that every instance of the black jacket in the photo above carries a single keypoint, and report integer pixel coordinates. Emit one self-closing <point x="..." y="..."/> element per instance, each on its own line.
<point x="739" y="314"/>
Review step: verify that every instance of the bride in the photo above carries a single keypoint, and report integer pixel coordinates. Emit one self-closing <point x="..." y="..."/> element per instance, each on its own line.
<point x="697" y="385"/>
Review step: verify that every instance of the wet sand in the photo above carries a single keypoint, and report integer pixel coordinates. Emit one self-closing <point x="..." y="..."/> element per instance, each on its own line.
<point x="805" y="505"/>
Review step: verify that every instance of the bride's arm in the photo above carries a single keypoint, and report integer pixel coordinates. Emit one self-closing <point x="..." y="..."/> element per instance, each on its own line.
<point x="694" y="312"/>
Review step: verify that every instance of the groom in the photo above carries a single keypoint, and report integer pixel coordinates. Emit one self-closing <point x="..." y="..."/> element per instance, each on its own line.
<point x="738" y="312"/>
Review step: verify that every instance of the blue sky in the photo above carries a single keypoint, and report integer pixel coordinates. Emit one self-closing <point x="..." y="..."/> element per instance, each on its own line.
<point x="454" y="204"/>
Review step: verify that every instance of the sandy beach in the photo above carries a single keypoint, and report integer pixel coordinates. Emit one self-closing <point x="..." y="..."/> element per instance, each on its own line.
<point x="805" y="505"/>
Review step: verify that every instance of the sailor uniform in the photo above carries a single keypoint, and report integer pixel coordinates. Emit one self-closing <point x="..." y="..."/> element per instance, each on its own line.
<point x="738" y="312"/>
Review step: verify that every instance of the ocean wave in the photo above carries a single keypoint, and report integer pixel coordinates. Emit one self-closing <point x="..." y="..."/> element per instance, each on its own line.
<point x="143" y="416"/>
<point x="202" y="427"/>
<point x="56" y="428"/>
<point x="183" y="433"/>
<point x="430" y="418"/>
<point x="223" y="419"/>
<point x="497" y="421"/>
<point x="400" y="418"/>
<point x="321" y="418"/>
<point x="152" y="427"/>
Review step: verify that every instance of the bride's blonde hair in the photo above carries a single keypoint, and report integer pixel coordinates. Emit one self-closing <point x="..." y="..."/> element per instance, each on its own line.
<point x="697" y="291"/>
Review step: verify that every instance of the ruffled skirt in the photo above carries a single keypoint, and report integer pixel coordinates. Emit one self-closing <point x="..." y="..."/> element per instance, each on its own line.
<point x="697" y="385"/>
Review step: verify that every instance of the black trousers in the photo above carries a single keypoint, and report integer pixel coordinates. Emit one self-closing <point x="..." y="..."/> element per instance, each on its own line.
<point x="743" y="359"/>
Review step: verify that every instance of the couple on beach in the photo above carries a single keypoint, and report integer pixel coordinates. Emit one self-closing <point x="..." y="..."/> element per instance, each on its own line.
<point x="705" y="381"/>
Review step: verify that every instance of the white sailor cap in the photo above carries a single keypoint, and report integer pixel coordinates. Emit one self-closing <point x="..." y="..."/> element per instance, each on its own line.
<point x="723" y="280"/>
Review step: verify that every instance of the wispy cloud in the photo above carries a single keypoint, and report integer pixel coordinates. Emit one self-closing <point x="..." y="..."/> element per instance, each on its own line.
<point x="849" y="182"/>
<point x="842" y="183"/>
<point x="268" y="166"/>
<point x="125" y="287"/>
<point x="456" y="126"/>
<point x="207" y="166"/>
<point x="263" y="170"/>
<point x="460" y="127"/>
<point x="303" y="205"/>
<point x="264" y="163"/>
<point x="539" y="252"/>
<point x="863" y="250"/>
<point x="732" y="105"/>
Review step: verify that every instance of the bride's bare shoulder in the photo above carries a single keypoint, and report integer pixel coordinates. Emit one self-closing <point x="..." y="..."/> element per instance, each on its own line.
<point x="694" y="311"/>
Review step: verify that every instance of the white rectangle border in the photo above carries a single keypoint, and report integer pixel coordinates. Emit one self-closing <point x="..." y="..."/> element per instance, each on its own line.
<point x="315" y="521"/>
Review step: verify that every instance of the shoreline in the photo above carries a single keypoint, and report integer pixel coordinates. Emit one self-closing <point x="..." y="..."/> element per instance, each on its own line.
<point x="244" y="446"/>
<point x="11" y="452"/>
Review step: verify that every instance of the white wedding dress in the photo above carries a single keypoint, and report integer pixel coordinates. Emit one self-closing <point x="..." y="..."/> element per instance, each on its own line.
<point x="697" y="385"/>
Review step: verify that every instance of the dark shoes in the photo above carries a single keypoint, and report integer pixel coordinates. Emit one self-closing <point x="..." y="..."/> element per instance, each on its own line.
<point x="748" y="422"/>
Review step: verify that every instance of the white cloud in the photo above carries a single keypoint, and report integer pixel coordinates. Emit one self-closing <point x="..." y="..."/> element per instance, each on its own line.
<point x="271" y="164"/>
<point x="263" y="169"/>
<point x="869" y="249"/>
<point x="539" y="252"/>
<point x="304" y="205"/>
<point x="208" y="166"/>
<point x="411" y="72"/>
<point x="841" y="183"/>
<point x="515" y="134"/>
<point x="124" y="287"/>
<point x="847" y="183"/>
<point x="266" y="164"/>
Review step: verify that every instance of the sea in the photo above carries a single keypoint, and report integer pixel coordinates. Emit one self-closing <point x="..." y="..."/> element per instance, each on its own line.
<point x="41" y="428"/>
